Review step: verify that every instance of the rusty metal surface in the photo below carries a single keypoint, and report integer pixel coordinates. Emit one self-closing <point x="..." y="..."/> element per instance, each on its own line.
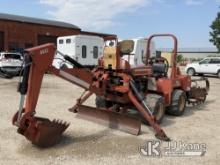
<point x="49" y="132"/>
<point x="195" y="83"/>
<point x="199" y="90"/>
<point x="111" y="119"/>
<point x="80" y="101"/>
<point x="43" y="132"/>
<point x="160" y="134"/>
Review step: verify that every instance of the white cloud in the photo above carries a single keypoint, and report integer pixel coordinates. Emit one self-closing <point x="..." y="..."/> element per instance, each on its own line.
<point x="92" y="14"/>
<point x="194" y="2"/>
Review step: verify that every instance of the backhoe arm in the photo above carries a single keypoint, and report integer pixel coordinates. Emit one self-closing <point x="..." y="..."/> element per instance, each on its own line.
<point x="38" y="61"/>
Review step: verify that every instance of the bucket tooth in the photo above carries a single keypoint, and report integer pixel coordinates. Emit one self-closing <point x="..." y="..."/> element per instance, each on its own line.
<point x="111" y="119"/>
<point x="162" y="136"/>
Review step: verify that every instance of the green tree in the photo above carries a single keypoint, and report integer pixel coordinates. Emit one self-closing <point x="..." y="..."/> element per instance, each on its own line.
<point x="180" y="58"/>
<point x="215" y="33"/>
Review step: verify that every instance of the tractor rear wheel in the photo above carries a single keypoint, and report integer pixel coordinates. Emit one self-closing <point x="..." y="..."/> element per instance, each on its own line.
<point x="101" y="102"/>
<point x="178" y="103"/>
<point x="156" y="104"/>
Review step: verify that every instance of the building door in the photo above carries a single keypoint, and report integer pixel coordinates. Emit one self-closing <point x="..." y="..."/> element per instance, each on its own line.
<point x="2" y="41"/>
<point x="43" y="39"/>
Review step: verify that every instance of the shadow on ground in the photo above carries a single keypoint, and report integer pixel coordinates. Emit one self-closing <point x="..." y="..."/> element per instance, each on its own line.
<point x="101" y="144"/>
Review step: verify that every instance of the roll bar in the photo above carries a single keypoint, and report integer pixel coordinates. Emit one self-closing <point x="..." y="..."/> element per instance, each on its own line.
<point x="174" y="55"/>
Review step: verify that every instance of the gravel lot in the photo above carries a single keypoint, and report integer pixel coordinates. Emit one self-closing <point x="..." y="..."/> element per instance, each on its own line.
<point x="88" y="143"/>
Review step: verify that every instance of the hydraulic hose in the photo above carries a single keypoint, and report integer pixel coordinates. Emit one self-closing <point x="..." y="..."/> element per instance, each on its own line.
<point x="140" y="97"/>
<point x="71" y="60"/>
<point x="23" y="85"/>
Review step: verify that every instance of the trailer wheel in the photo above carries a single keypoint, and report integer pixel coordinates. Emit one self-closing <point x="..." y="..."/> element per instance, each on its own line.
<point x="178" y="103"/>
<point x="101" y="102"/>
<point x="156" y="104"/>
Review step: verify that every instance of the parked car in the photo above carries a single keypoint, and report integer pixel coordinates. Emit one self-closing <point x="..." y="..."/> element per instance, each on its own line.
<point x="210" y="65"/>
<point x="10" y="63"/>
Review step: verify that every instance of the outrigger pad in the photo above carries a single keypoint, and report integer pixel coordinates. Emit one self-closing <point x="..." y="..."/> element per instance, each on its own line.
<point x="111" y="119"/>
<point x="46" y="133"/>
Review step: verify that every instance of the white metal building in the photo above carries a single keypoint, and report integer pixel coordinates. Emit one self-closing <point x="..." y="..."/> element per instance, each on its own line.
<point x="195" y="52"/>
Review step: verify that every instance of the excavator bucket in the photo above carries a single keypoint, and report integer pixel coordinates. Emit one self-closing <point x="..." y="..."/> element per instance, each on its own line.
<point x="111" y="119"/>
<point x="43" y="132"/>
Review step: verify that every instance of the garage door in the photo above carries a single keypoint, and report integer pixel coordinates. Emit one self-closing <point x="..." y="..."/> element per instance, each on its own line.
<point x="1" y="41"/>
<point x="43" y="39"/>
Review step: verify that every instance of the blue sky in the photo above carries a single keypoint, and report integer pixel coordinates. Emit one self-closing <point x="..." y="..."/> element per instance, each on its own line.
<point x="189" y="20"/>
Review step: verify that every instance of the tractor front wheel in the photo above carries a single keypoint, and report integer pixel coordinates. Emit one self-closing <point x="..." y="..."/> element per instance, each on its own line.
<point x="178" y="104"/>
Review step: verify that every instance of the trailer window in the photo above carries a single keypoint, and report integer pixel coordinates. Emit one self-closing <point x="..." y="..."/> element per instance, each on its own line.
<point x="95" y="52"/>
<point x="68" y="41"/>
<point x="84" y="51"/>
<point x="60" y="41"/>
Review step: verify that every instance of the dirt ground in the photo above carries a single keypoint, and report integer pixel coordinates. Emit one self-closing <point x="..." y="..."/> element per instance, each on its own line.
<point x="88" y="143"/>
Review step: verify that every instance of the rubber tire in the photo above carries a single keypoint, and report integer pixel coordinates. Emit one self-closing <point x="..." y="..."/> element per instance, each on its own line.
<point x="176" y="109"/>
<point x="5" y="75"/>
<point x="101" y="102"/>
<point x="64" y="66"/>
<point x="193" y="72"/>
<point x="154" y="101"/>
<point x="218" y="74"/>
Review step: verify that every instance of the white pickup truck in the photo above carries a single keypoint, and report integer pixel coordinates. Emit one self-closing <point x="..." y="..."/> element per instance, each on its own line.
<point x="210" y="65"/>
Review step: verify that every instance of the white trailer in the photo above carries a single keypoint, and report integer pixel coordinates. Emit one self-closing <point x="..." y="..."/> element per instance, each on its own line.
<point x="83" y="48"/>
<point x="88" y="49"/>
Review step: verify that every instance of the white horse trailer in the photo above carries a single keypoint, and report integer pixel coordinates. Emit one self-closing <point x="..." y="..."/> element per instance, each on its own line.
<point x="83" y="48"/>
<point x="88" y="49"/>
